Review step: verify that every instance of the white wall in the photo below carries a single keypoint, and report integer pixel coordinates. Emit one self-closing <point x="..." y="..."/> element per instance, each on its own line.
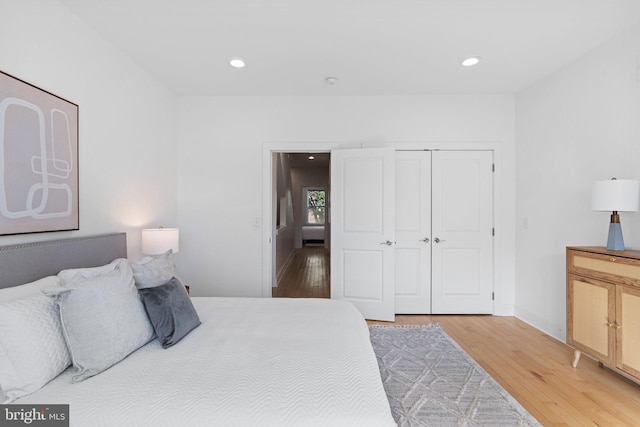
<point x="129" y="178"/>
<point x="127" y="126"/>
<point x="576" y="126"/>
<point x="579" y="125"/>
<point x="285" y="231"/>
<point x="220" y="161"/>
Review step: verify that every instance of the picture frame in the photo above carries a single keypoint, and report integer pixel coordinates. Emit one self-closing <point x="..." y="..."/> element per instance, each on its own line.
<point x="39" y="179"/>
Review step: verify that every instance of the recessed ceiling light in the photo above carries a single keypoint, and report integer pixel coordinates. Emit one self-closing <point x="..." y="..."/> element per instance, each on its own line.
<point x="237" y="63"/>
<point x="311" y="158"/>
<point x="331" y="80"/>
<point x="471" y="61"/>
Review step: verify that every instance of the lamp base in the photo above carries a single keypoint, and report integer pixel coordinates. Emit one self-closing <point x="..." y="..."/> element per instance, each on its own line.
<point x="615" y="242"/>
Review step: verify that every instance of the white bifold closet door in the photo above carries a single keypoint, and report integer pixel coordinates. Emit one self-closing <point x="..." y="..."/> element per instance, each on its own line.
<point x="413" y="232"/>
<point x="462" y="232"/>
<point x="444" y="232"/>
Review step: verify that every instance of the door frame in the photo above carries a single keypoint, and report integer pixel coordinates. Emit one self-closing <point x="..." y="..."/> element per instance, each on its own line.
<point x="503" y="241"/>
<point x="268" y="183"/>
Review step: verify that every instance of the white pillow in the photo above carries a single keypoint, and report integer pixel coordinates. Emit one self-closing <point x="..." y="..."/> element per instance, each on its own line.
<point x="152" y="272"/>
<point x="71" y="274"/>
<point x="32" y="348"/>
<point x="33" y="288"/>
<point x="103" y="319"/>
<point x="25" y="290"/>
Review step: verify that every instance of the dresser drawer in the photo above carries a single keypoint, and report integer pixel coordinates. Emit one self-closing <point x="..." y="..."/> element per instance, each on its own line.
<point x="604" y="266"/>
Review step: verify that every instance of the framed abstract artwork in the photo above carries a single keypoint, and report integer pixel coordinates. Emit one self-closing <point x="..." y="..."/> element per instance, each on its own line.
<point x="38" y="159"/>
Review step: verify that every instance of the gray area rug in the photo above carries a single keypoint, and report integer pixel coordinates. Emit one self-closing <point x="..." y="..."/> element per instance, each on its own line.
<point x="431" y="381"/>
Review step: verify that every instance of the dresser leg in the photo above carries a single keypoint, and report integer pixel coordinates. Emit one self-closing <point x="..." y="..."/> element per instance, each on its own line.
<point x="576" y="358"/>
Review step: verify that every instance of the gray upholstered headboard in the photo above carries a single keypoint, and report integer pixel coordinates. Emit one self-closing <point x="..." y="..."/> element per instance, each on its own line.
<point x="27" y="262"/>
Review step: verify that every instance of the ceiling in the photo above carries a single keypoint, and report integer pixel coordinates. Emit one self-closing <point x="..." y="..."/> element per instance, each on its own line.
<point x="373" y="47"/>
<point x="301" y="160"/>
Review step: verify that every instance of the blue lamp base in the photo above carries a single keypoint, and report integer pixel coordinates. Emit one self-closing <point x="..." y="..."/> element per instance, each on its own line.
<point x="615" y="242"/>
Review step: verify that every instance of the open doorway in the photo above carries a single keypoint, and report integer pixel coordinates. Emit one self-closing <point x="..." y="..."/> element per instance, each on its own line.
<point x="301" y="234"/>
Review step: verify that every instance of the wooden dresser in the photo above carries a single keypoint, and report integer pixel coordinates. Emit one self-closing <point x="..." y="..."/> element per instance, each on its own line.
<point x="603" y="307"/>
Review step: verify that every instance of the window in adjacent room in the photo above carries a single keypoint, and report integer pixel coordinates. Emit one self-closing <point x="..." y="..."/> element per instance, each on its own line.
<point x="314" y="206"/>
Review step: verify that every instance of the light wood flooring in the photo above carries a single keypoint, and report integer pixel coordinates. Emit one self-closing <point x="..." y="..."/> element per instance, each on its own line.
<point x="536" y="370"/>
<point x="532" y="366"/>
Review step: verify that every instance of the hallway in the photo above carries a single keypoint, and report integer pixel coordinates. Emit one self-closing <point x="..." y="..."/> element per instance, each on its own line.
<point x="307" y="275"/>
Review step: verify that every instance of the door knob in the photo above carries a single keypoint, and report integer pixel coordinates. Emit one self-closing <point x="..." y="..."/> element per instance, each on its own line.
<point x="388" y="243"/>
<point x="437" y="240"/>
<point x="426" y="240"/>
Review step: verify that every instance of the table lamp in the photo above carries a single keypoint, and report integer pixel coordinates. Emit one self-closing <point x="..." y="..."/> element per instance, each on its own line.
<point x="615" y="195"/>
<point x="156" y="241"/>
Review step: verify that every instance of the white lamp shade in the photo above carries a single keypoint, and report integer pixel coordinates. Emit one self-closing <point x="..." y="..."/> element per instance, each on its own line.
<point x="156" y="241"/>
<point x="615" y="195"/>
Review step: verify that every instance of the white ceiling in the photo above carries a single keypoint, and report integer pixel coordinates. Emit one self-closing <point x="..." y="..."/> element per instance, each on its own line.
<point x="301" y="160"/>
<point x="373" y="47"/>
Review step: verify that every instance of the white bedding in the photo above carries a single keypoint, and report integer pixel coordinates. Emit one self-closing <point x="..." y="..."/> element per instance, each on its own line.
<point x="252" y="362"/>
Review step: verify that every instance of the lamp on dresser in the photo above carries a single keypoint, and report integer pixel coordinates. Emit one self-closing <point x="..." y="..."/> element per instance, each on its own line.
<point x="615" y="195"/>
<point x="156" y="241"/>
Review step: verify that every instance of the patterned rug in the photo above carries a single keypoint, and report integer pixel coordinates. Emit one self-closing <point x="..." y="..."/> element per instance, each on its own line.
<point x="431" y="381"/>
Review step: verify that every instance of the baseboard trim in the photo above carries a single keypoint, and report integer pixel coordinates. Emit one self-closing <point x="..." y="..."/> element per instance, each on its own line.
<point x="285" y="267"/>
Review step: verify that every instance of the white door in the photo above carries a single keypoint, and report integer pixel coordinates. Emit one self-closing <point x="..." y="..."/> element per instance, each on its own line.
<point x="362" y="230"/>
<point x="413" y="232"/>
<point x="462" y="232"/>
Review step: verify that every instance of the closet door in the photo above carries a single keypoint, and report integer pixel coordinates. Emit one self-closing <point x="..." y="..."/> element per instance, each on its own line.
<point x="462" y="232"/>
<point x="413" y="232"/>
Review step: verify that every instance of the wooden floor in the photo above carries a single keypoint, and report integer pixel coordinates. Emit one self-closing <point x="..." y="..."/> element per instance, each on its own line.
<point x="536" y="370"/>
<point x="533" y="367"/>
<point x="307" y="275"/>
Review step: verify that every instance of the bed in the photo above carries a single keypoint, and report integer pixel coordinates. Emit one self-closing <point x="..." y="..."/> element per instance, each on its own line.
<point x="251" y="361"/>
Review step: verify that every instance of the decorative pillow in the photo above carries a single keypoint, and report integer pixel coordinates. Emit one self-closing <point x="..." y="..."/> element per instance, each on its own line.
<point x="28" y="289"/>
<point x="103" y="319"/>
<point x="150" y="272"/>
<point x="71" y="274"/>
<point x="32" y="347"/>
<point x="170" y="310"/>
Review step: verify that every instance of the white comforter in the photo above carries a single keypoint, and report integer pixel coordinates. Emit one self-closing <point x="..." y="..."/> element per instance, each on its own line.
<point x="252" y="362"/>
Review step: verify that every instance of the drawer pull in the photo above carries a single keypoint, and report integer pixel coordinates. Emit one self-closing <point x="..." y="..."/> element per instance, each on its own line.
<point x="612" y="259"/>
<point x="613" y="325"/>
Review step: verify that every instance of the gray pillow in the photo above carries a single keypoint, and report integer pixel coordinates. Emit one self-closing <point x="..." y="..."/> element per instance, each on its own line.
<point x="170" y="310"/>
<point x="156" y="271"/>
<point x="103" y="319"/>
